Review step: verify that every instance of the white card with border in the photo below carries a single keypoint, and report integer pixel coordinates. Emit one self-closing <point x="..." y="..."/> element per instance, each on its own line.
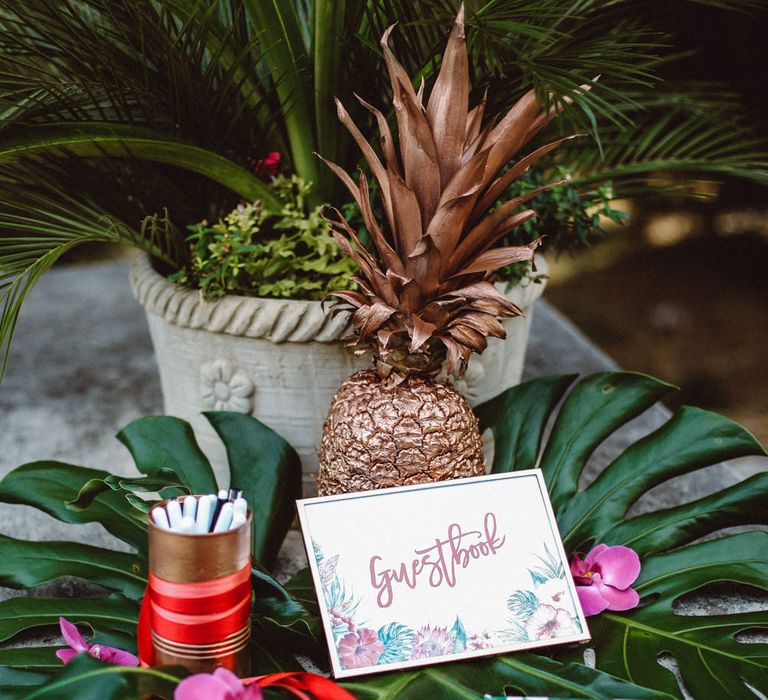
<point x="452" y="570"/>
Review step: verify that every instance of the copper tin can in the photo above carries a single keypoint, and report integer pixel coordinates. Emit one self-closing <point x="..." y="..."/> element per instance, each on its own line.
<point x="185" y="558"/>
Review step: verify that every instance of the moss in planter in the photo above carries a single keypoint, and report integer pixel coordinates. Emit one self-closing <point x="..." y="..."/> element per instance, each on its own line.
<point x="257" y="252"/>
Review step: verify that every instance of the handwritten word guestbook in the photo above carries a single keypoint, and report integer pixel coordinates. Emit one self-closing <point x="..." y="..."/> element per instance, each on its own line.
<point x="439" y="572"/>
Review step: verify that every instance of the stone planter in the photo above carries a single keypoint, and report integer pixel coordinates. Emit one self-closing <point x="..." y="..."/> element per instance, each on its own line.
<point x="279" y="360"/>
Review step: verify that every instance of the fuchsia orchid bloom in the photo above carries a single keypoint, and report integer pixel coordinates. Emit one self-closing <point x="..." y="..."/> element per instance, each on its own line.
<point x="225" y="685"/>
<point x="269" y="165"/>
<point x="603" y="578"/>
<point x="219" y="685"/>
<point x="77" y="644"/>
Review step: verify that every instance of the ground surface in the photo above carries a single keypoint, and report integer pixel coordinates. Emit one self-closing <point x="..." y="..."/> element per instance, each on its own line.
<point x="694" y="314"/>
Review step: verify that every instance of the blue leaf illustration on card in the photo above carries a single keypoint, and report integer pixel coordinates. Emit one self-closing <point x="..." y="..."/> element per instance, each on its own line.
<point x="522" y="604"/>
<point x="537" y="578"/>
<point x="551" y="566"/>
<point x="458" y="637"/>
<point x="398" y="643"/>
<point x="514" y="634"/>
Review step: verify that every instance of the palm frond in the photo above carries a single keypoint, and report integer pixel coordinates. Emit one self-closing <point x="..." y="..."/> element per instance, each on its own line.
<point x="280" y="34"/>
<point x="93" y="140"/>
<point x="695" y="131"/>
<point x="216" y="73"/>
<point x="173" y="99"/>
<point x="40" y="224"/>
<point x="138" y="63"/>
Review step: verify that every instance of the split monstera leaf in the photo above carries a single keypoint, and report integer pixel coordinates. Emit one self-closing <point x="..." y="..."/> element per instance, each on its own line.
<point x="627" y="645"/>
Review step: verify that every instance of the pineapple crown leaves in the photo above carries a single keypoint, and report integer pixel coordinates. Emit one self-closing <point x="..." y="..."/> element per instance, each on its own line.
<point x="426" y="295"/>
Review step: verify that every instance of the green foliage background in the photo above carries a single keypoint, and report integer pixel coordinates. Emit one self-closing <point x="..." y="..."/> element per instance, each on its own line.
<point x="125" y="121"/>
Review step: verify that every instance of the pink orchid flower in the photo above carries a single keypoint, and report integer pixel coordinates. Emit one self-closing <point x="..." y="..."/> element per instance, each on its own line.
<point x="603" y="578"/>
<point x="269" y="165"/>
<point x="77" y="644"/>
<point x="225" y="685"/>
<point x="219" y="685"/>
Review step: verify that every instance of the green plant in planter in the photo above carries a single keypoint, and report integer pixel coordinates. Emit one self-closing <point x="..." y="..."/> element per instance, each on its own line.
<point x="674" y="560"/>
<point x="569" y="218"/>
<point x="113" y="109"/>
<point x="255" y="251"/>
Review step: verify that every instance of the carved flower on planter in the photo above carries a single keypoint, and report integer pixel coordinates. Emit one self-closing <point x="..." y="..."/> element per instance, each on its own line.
<point x="225" y="388"/>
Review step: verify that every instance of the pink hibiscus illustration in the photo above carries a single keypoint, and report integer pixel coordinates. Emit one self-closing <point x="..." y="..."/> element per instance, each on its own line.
<point x="603" y="578"/>
<point x="360" y="649"/>
<point x="222" y="684"/>
<point x="431" y="641"/>
<point x="77" y="644"/>
<point x="550" y="623"/>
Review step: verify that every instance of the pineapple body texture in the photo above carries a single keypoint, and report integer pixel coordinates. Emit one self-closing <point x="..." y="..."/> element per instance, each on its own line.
<point x="377" y="435"/>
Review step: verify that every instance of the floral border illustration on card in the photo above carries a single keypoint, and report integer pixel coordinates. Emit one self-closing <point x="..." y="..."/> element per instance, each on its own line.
<point x="393" y="597"/>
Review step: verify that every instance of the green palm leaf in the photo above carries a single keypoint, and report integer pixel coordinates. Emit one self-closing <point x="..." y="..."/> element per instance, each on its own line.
<point x="42" y="224"/>
<point x="28" y="564"/>
<point x="88" y="679"/>
<point x="688" y="137"/>
<point x="40" y="658"/>
<point x="93" y="140"/>
<point x="327" y="50"/>
<point x="15" y="683"/>
<point x="662" y="530"/>
<point x="517" y="446"/>
<point x="50" y="486"/>
<point x="530" y="674"/>
<point x="268" y="471"/>
<point x="691" y="439"/>
<point x="711" y="660"/>
<point x="159" y="443"/>
<point x="196" y="90"/>
<point x="279" y="31"/>
<point x="627" y="645"/>
<point x="111" y="614"/>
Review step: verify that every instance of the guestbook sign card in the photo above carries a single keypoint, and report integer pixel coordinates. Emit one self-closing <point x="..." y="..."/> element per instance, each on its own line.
<point x="439" y="572"/>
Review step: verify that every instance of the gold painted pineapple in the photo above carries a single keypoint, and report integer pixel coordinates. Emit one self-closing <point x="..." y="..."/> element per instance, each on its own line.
<point x="426" y="296"/>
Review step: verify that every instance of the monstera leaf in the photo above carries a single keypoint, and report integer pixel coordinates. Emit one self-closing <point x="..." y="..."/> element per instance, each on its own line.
<point x="711" y="660"/>
<point x="166" y="453"/>
<point x="85" y="678"/>
<point x="530" y="674"/>
<point x="628" y="645"/>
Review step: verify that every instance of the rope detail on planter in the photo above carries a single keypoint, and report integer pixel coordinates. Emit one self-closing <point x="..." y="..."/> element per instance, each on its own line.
<point x="277" y="320"/>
